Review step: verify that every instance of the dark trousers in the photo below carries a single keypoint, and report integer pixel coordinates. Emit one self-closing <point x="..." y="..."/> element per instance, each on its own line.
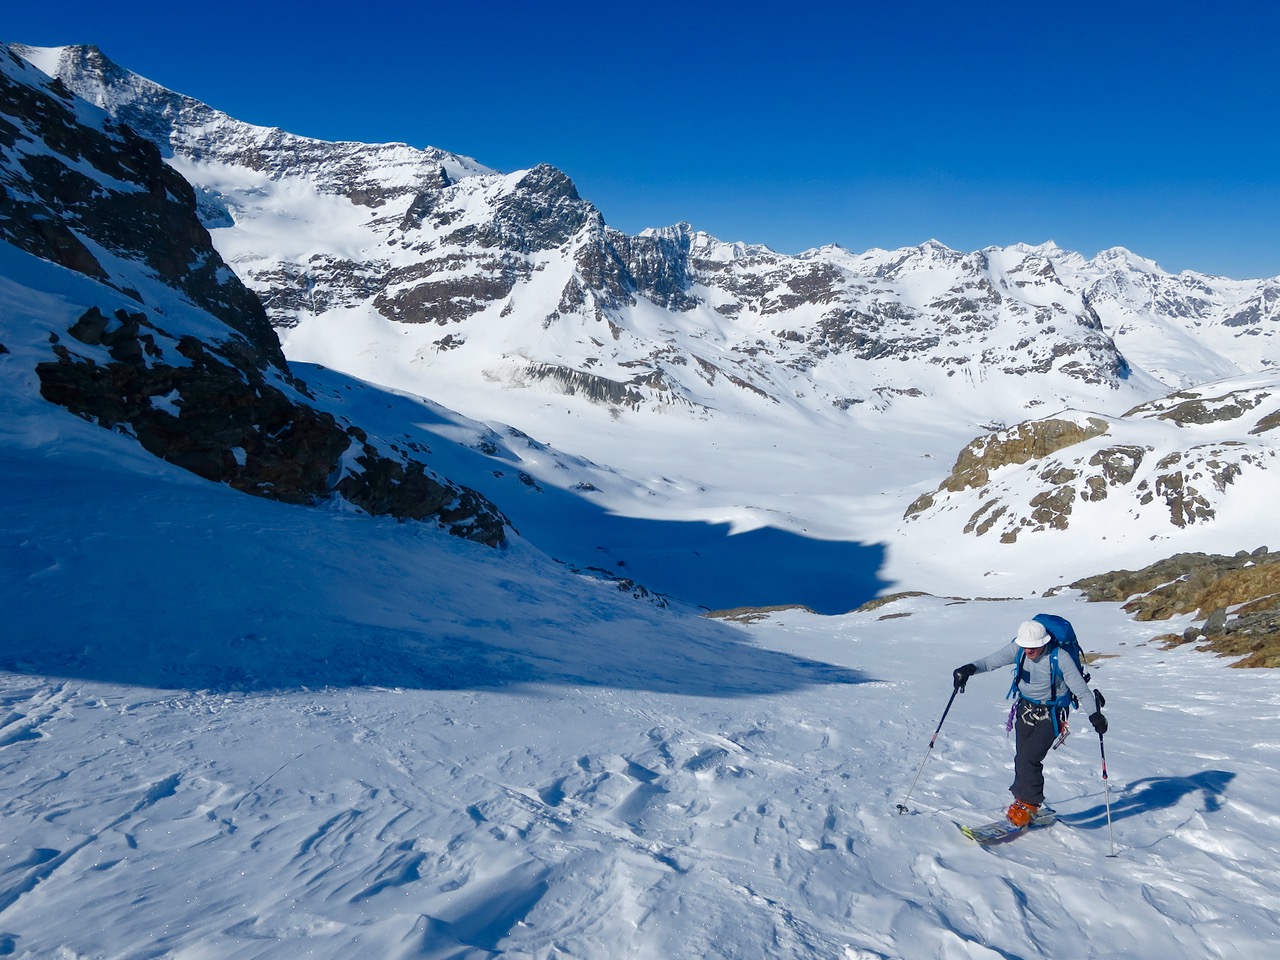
<point x="1033" y="738"/>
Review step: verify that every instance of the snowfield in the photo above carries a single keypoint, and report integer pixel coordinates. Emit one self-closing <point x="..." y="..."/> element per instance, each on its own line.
<point x="233" y="728"/>
<point x="237" y="729"/>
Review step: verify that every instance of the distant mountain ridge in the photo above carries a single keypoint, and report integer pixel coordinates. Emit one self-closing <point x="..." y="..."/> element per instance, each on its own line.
<point x="517" y="278"/>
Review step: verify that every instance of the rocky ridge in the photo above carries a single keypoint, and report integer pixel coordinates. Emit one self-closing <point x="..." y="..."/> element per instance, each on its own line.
<point x="204" y="384"/>
<point x="1236" y="598"/>
<point x="1176" y="456"/>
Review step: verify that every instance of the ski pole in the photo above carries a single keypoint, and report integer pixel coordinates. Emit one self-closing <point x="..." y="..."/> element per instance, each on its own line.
<point x="902" y="807"/>
<point x="1107" y="784"/>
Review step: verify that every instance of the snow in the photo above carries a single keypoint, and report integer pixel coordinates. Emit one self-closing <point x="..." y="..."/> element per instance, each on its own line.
<point x="277" y="732"/>
<point x="231" y="728"/>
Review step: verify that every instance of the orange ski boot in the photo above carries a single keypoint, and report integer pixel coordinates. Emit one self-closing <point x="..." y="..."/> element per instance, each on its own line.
<point x="1020" y="813"/>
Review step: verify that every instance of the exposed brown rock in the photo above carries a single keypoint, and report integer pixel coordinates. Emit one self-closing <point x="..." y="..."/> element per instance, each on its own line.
<point x="1237" y="597"/>
<point x="207" y="410"/>
<point x="1030" y="440"/>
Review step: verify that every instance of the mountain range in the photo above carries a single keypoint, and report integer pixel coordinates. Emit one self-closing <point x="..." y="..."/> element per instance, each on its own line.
<point x="355" y="589"/>
<point x="508" y="298"/>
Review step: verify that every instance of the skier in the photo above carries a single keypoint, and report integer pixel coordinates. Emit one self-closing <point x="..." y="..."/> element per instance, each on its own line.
<point x="1040" y="709"/>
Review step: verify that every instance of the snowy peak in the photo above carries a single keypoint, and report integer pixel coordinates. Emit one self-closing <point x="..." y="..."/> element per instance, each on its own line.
<point x="182" y="125"/>
<point x="438" y="277"/>
<point x="476" y="273"/>
<point x="1118" y="259"/>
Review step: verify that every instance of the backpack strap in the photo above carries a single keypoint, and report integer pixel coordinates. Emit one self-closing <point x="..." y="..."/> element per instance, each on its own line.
<point x="1020" y="673"/>
<point x="1017" y="675"/>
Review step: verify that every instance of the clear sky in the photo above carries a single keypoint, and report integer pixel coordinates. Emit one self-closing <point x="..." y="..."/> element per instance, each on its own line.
<point x="1154" y="126"/>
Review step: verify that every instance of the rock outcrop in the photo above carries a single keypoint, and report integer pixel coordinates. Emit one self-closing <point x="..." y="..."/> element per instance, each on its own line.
<point x="1174" y="459"/>
<point x="1235" y="598"/>
<point x="200" y="381"/>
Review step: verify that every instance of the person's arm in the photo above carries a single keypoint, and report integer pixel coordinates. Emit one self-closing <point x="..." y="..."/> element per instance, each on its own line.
<point x="1090" y="700"/>
<point x="1005" y="656"/>
<point x="1078" y="685"/>
<point x="1001" y="658"/>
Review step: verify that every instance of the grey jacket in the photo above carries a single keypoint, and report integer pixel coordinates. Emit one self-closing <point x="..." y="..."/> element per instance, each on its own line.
<point x="1039" y="683"/>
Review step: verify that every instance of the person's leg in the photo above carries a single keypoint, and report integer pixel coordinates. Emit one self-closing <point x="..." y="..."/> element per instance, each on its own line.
<point x="1033" y="740"/>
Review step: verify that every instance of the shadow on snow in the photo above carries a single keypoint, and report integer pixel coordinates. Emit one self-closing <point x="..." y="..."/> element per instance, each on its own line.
<point x="713" y="660"/>
<point x="700" y="562"/>
<point x="1156" y="793"/>
<point x="709" y="567"/>
<point x="114" y="575"/>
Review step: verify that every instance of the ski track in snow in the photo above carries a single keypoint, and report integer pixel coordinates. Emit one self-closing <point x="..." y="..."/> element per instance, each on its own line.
<point x="597" y="822"/>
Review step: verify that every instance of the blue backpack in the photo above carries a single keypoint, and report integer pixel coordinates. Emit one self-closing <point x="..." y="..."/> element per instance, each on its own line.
<point x="1063" y="637"/>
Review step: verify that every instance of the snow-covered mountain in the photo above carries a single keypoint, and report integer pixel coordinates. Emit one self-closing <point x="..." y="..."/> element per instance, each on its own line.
<point x="720" y="384"/>
<point x="242" y="727"/>
<point x="445" y="270"/>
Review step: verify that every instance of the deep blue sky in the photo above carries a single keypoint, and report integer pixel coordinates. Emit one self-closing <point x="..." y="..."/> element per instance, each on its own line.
<point x="1150" y="126"/>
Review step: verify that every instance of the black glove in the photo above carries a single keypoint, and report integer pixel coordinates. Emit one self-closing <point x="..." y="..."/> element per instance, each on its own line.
<point x="1099" y="722"/>
<point x="960" y="675"/>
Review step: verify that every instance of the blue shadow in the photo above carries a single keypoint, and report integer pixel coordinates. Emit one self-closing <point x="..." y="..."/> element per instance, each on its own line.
<point x="701" y="563"/>
<point x="706" y="565"/>
<point x="1156" y="793"/>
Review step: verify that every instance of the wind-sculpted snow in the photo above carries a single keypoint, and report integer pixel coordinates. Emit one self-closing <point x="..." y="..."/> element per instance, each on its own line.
<point x="238" y="728"/>
<point x="600" y="821"/>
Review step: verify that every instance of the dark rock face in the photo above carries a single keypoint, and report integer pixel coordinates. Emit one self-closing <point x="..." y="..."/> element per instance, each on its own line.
<point x="221" y="404"/>
<point x="130" y="202"/>
<point x="206" y="414"/>
<point x="204" y="409"/>
<point x="541" y="213"/>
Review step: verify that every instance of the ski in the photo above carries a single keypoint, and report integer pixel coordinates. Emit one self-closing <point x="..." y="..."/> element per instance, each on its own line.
<point x="1000" y="831"/>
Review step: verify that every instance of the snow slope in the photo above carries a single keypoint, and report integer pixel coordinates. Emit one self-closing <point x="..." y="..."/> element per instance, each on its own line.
<point x="237" y="729"/>
<point x="233" y="728"/>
